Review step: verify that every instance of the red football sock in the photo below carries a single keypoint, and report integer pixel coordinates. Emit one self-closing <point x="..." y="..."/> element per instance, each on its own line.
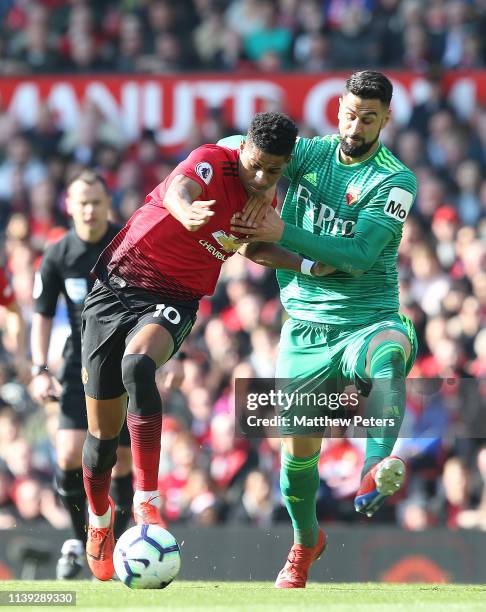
<point x="97" y="487"/>
<point x="145" y="432"/>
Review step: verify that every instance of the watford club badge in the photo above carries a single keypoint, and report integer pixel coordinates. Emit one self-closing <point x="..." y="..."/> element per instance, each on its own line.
<point x="352" y="195"/>
<point x="227" y="242"/>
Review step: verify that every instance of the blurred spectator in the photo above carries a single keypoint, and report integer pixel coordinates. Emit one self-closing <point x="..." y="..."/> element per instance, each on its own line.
<point x="455" y="495"/>
<point x="35" y="502"/>
<point x="445" y="224"/>
<point x="200" y="503"/>
<point x="130" y="44"/>
<point x="210" y="37"/>
<point x="92" y="131"/>
<point x="387" y="25"/>
<point x="231" y="458"/>
<point x="433" y="101"/>
<point x="7" y="508"/>
<point x="10" y="425"/>
<point x="269" y="36"/>
<point x="20" y="171"/>
<point x="183" y="457"/>
<point x="340" y="466"/>
<point x="36" y="44"/>
<point x="460" y="28"/>
<point x="169" y="55"/>
<point x="468" y="180"/>
<point x="352" y="38"/>
<point x="255" y="506"/>
<point x="476" y="518"/>
<point x="312" y="45"/>
<point x="45" y="135"/>
<point x="429" y="283"/>
<point x="244" y="16"/>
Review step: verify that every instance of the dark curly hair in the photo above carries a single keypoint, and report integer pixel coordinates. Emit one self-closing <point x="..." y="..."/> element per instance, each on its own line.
<point x="370" y="85"/>
<point x="273" y="133"/>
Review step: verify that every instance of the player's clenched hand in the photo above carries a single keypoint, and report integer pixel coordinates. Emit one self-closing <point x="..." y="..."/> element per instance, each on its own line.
<point x="196" y="215"/>
<point x="270" y="228"/>
<point x="256" y="207"/>
<point x="320" y="269"/>
<point x="44" y="386"/>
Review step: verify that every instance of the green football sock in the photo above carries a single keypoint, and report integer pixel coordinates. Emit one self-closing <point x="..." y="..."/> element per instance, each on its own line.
<point x="299" y="481"/>
<point x="386" y="401"/>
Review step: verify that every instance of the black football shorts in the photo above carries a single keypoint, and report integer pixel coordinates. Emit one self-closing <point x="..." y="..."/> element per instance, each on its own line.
<point x="72" y="403"/>
<point x="111" y="317"/>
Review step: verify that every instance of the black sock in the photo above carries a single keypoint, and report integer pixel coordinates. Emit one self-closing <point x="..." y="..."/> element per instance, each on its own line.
<point x="122" y="494"/>
<point x="69" y="485"/>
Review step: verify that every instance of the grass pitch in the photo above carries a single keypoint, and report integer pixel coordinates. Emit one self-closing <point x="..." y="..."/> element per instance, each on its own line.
<point x="260" y="596"/>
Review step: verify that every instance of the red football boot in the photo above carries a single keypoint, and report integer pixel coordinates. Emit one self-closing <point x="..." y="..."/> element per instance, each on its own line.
<point x="146" y="513"/>
<point x="294" y="573"/>
<point x="99" y="548"/>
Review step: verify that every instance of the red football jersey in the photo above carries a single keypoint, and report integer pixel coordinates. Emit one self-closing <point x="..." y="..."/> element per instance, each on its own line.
<point x="155" y="252"/>
<point x="7" y="296"/>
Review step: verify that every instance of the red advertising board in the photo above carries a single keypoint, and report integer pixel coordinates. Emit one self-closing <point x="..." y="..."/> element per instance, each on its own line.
<point x="173" y="105"/>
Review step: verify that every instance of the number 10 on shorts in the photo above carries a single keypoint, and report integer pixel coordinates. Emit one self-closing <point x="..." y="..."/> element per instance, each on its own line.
<point x="168" y="312"/>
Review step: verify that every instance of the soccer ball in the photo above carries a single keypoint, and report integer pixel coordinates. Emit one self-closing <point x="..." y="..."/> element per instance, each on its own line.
<point x="147" y="557"/>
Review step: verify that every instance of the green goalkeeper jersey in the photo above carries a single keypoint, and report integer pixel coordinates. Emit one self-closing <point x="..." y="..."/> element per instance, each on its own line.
<point x="329" y="198"/>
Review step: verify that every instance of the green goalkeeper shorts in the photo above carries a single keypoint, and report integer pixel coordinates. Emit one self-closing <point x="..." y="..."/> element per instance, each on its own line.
<point x="317" y="362"/>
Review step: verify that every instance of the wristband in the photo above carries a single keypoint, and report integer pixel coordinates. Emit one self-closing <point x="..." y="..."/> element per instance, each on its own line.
<point x="39" y="369"/>
<point x="306" y="266"/>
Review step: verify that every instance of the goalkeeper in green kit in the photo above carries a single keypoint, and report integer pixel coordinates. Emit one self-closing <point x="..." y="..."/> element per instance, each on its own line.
<point x="345" y="207"/>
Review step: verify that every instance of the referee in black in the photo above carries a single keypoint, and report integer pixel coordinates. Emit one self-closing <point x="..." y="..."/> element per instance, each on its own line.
<point x="65" y="268"/>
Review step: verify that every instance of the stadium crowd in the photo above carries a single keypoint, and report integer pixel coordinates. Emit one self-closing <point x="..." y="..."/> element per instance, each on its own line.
<point x="207" y="475"/>
<point x="160" y="36"/>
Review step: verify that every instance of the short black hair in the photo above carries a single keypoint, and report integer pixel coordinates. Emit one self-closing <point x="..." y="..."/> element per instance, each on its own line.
<point x="273" y="133"/>
<point x="370" y="85"/>
<point x="89" y="177"/>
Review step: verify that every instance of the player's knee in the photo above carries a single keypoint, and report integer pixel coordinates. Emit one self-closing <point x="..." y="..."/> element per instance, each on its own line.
<point x="69" y="449"/>
<point x="137" y="370"/>
<point x="69" y="461"/>
<point x="389" y="337"/>
<point x="138" y="374"/>
<point x="99" y="456"/>
<point x="388" y="358"/>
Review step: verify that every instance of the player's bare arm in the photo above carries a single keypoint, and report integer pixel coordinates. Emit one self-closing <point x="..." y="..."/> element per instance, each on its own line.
<point x="182" y="203"/>
<point x="353" y="255"/>
<point x="276" y="257"/>
<point x="44" y="385"/>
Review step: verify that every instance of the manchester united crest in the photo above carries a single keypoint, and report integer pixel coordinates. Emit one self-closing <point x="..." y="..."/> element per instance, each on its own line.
<point x="226" y="241"/>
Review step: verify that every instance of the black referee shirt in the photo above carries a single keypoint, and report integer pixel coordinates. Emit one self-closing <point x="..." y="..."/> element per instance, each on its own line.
<point x="65" y="268"/>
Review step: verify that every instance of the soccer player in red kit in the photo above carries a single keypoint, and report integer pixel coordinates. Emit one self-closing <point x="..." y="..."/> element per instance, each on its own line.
<point x="150" y="279"/>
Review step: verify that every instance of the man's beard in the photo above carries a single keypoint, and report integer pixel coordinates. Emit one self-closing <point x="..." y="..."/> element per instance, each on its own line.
<point x="356" y="150"/>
